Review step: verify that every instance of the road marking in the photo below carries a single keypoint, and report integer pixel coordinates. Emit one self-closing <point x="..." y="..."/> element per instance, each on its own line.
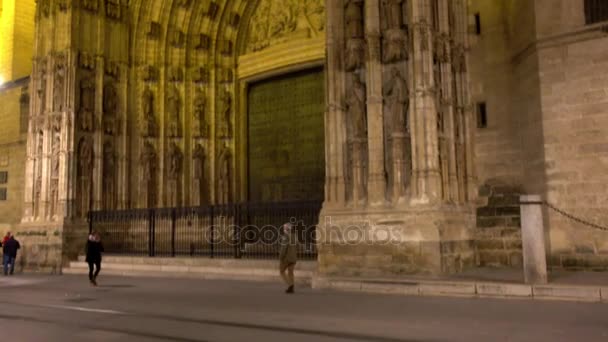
<point x="83" y="309"/>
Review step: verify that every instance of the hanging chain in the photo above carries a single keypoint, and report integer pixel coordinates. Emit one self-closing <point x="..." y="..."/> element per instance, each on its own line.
<point x="574" y="218"/>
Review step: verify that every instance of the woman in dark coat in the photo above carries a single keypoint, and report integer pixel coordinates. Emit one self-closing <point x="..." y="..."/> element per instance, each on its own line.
<point x="94" y="250"/>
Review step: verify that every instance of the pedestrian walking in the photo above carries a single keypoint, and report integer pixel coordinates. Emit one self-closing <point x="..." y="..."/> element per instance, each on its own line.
<point x="6" y="237"/>
<point x="94" y="250"/>
<point x="288" y="255"/>
<point x="9" y="248"/>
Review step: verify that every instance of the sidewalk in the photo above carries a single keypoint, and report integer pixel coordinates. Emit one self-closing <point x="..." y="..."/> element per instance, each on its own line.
<point x="481" y="282"/>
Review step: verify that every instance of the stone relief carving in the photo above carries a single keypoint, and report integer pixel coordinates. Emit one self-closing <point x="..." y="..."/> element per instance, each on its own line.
<point x="276" y="21"/>
<point x="110" y="108"/>
<point x="202" y="42"/>
<point x="45" y="7"/>
<point x="176" y="38"/>
<point x="355" y="54"/>
<point x="148" y="125"/>
<point x="109" y="175"/>
<point x="112" y="69"/>
<point x="55" y="145"/>
<point x="442" y="48"/>
<point x="459" y="60"/>
<point x="226" y="75"/>
<point x="397" y="97"/>
<point x="227" y="47"/>
<point x="356" y="108"/>
<point x="62" y="5"/>
<point x="224" y="175"/>
<point x="173" y="108"/>
<point x="226" y="110"/>
<point x="153" y="30"/>
<point x="87" y="103"/>
<point x="85" y="168"/>
<point x="423" y="31"/>
<point x="200" y="126"/>
<point x="148" y="164"/>
<point x="176" y="74"/>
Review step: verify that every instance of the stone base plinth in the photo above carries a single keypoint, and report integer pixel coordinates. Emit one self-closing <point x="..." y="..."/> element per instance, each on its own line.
<point x="48" y="246"/>
<point x="428" y="241"/>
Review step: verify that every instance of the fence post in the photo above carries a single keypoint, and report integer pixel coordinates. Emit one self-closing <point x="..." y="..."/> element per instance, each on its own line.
<point x="533" y="239"/>
<point x="211" y="227"/>
<point x="151" y="233"/>
<point x="173" y="219"/>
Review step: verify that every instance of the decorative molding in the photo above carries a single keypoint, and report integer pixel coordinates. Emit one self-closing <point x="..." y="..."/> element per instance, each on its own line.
<point x="202" y="42"/>
<point x="153" y="30"/>
<point x="86" y="60"/>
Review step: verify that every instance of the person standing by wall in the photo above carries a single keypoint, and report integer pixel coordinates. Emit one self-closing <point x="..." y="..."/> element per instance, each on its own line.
<point x="9" y="248"/>
<point x="94" y="250"/>
<point x="288" y="255"/>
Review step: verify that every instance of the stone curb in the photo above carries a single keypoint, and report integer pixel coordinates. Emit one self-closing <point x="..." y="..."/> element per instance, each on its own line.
<point x="468" y="289"/>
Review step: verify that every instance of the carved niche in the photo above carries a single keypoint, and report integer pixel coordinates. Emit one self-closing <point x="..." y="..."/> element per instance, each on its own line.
<point x="212" y="10"/>
<point x="200" y="126"/>
<point x="85" y="173"/>
<point x="149" y="73"/>
<point x="41" y="85"/>
<point x="62" y="5"/>
<point x="86" y="110"/>
<point x="86" y="60"/>
<point x="45" y="7"/>
<point x="277" y="21"/>
<point x="395" y="35"/>
<point x="59" y="83"/>
<point x="110" y="108"/>
<point x="173" y="105"/>
<point x="200" y="75"/>
<point x="109" y="176"/>
<point x="148" y="122"/>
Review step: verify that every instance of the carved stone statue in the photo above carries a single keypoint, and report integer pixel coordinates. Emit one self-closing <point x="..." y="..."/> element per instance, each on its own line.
<point x="175" y="162"/>
<point x="200" y="119"/>
<point x="85" y="168"/>
<point x="148" y="164"/>
<point x="58" y="85"/>
<point x="198" y="156"/>
<point x="41" y="86"/>
<point x="397" y="97"/>
<point x="354" y="18"/>
<point x="174" y="170"/>
<point x="355" y="103"/>
<point x="224" y="174"/>
<point x="87" y="103"/>
<point x="109" y="175"/>
<point x="226" y="106"/>
<point x="149" y="120"/>
<point x="173" y="106"/>
<point x="110" y="108"/>
<point x="355" y="54"/>
<point x="198" y="174"/>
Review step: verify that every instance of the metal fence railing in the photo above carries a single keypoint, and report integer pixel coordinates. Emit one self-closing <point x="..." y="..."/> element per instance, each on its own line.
<point x="241" y="230"/>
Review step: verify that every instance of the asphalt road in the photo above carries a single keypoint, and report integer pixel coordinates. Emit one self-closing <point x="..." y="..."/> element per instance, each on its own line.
<point x="66" y="308"/>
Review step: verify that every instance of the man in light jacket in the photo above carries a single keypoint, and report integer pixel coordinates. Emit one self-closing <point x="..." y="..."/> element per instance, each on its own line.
<point x="288" y="255"/>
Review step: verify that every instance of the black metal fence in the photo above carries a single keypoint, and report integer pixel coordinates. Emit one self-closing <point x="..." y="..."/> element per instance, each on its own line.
<point x="242" y="230"/>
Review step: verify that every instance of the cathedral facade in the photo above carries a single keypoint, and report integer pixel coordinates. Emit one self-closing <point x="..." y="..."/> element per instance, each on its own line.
<point x="417" y="123"/>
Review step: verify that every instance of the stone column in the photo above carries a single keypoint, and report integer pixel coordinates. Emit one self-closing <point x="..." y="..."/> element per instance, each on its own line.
<point x="376" y="184"/>
<point x="424" y="115"/>
<point x="335" y="188"/>
<point x="533" y="240"/>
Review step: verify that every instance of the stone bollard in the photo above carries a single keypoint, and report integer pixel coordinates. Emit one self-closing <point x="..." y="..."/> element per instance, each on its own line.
<point x="533" y="239"/>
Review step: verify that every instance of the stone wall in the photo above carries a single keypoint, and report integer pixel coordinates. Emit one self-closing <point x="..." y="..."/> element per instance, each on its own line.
<point x="574" y="96"/>
<point x="498" y="235"/>
<point x="12" y="152"/>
